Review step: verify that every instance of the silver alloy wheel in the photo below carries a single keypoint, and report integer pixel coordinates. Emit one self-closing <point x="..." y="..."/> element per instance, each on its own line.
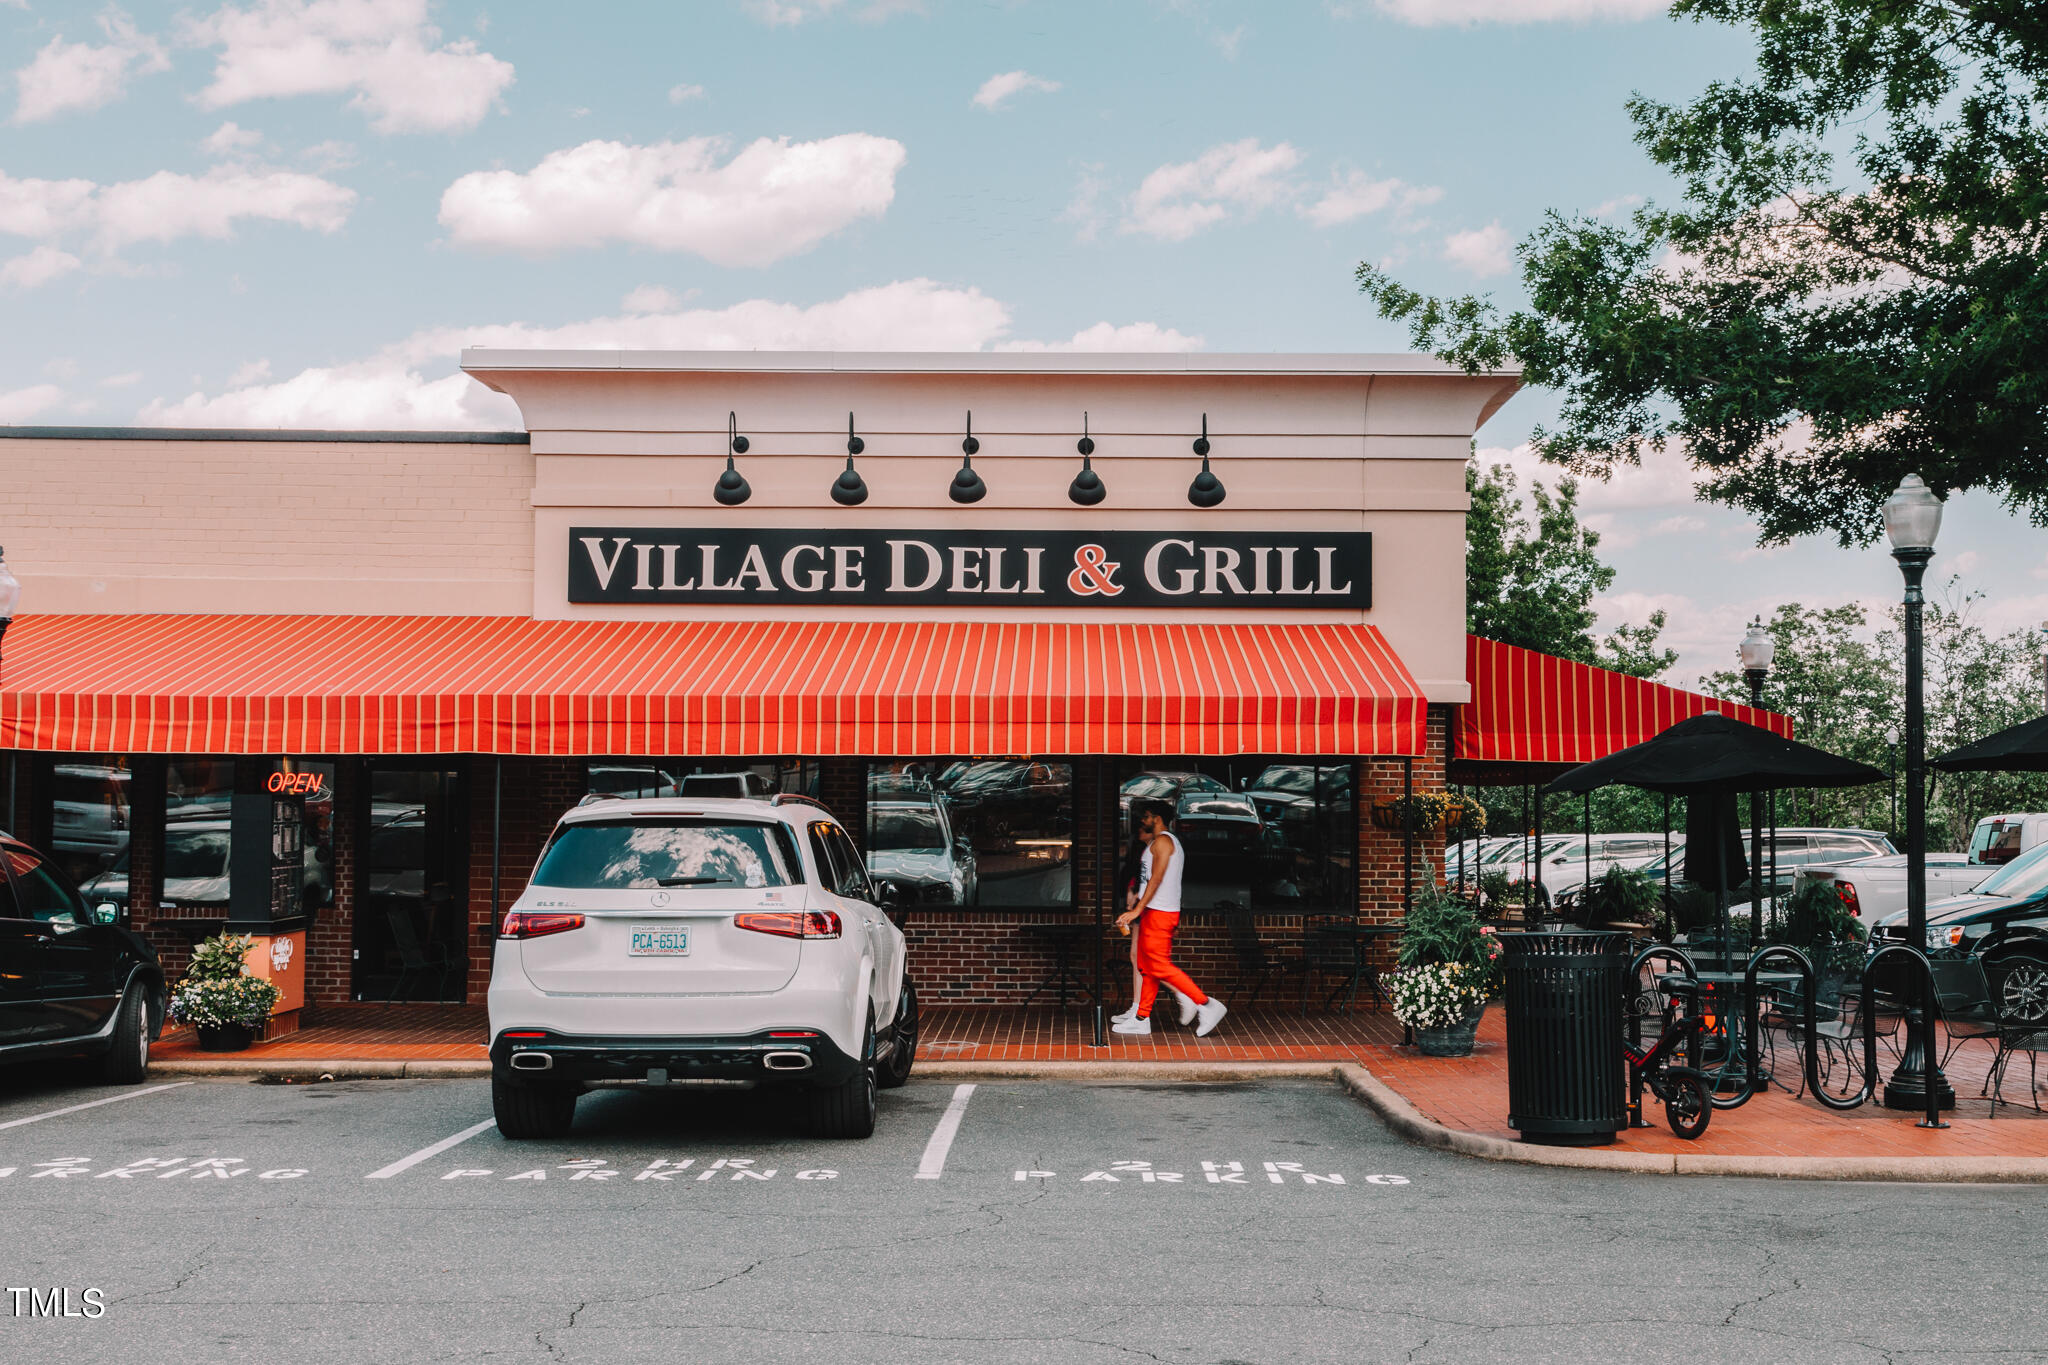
<point x="142" y="1033"/>
<point x="2023" y="993"/>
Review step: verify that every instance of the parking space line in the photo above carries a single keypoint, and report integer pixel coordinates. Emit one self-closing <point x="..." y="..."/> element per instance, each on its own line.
<point x="94" y="1104"/>
<point x="406" y="1163"/>
<point x="933" y="1165"/>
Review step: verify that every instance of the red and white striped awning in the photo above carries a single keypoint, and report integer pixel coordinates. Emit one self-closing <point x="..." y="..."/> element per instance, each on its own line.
<point x="508" y="685"/>
<point x="1528" y="707"/>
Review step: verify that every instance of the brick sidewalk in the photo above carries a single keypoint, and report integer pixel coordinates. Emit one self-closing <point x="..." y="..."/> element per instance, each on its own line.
<point x="1465" y="1093"/>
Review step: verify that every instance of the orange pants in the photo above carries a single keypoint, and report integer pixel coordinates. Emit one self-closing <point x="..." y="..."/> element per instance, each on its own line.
<point x="1155" y="961"/>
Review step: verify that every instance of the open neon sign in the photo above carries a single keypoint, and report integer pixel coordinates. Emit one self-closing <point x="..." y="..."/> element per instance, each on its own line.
<point x="298" y="784"/>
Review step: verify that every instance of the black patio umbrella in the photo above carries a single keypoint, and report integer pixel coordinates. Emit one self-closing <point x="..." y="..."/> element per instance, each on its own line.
<point x="1717" y="757"/>
<point x="2020" y="749"/>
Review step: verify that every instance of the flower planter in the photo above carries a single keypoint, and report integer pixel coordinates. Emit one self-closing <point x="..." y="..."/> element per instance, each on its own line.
<point x="225" y="1037"/>
<point x="1455" y="1041"/>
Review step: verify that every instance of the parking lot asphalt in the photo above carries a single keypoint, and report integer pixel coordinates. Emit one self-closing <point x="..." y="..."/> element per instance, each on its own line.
<point x="1010" y="1221"/>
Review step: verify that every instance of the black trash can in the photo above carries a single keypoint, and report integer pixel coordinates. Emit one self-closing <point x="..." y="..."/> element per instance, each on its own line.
<point x="1567" y="1082"/>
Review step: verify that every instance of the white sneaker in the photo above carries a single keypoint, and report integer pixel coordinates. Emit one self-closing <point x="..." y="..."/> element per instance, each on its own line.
<point x="1188" y="1009"/>
<point x="1130" y="1013"/>
<point x="1141" y="1027"/>
<point x="1209" y="1016"/>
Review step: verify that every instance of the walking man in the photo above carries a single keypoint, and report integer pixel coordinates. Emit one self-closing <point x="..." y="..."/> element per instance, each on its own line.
<point x="1157" y="913"/>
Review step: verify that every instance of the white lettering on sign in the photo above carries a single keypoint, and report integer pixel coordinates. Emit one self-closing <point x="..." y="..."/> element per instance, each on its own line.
<point x="899" y="566"/>
<point x="599" y="565"/>
<point x="848" y="565"/>
<point x="1185" y="578"/>
<point x="804" y="580"/>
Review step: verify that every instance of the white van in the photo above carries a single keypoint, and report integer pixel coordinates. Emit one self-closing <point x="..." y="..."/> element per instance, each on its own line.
<point x="2001" y="838"/>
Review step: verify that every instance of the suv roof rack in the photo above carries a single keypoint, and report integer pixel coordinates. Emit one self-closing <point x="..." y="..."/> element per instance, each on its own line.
<point x="793" y="798"/>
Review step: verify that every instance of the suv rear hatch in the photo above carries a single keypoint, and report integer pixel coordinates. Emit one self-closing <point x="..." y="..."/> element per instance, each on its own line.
<point x="658" y="896"/>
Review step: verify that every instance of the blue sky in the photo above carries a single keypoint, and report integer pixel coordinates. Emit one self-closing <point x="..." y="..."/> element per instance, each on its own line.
<point x="294" y="212"/>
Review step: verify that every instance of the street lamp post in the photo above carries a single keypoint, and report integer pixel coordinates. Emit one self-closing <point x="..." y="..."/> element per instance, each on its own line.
<point x="1891" y="772"/>
<point x="1912" y="519"/>
<point x="1757" y="651"/>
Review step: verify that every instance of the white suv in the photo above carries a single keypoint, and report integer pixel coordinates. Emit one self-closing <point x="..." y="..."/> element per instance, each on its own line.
<point x="669" y="940"/>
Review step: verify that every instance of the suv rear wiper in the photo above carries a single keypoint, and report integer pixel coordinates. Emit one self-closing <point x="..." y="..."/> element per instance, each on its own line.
<point x="689" y="881"/>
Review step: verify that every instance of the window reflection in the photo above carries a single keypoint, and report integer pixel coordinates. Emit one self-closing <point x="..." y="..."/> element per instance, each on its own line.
<point x="89" y="819"/>
<point x="1261" y="834"/>
<point x="973" y="832"/>
<point x="711" y="777"/>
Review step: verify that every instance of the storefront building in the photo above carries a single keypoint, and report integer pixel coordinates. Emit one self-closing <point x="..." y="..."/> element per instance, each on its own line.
<point x="338" y="686"/>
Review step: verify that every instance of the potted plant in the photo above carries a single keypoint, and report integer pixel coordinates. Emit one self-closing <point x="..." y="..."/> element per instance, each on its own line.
<point x="222" y="1002"/>
<point x="1448" y="965"/>
<point x="1421" y="813"/>
<point x="1620" y="895"/>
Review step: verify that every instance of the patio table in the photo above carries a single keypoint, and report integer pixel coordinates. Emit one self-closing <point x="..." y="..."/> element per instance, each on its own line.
<point x="1360" y="937"/>
<point x="1721" y="995"/>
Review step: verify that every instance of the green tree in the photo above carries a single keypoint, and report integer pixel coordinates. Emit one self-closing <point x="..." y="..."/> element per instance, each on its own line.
<point x="1852" y="287"/>
<point x="1530" y="581"/>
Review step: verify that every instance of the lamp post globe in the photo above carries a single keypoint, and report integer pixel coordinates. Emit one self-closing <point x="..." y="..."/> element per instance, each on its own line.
<point x="1756" y="651"/>
<point x="1912" y="520"/>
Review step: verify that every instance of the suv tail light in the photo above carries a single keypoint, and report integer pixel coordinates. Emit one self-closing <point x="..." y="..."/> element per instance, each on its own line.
<point x="789" y="923"/>
<point x="1847" y="891"/>
<point x="538" y="923"/>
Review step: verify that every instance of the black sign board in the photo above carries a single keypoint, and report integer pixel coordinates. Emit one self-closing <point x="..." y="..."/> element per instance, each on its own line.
<point x="267" y="854"/>
<point x="749" y="566"/>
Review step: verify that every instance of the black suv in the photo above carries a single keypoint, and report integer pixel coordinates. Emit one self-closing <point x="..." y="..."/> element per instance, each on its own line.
<point x="74" y="978"/>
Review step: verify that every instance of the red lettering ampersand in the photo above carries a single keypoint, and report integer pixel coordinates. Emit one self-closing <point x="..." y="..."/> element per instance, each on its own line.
<point x="1093" y="574"/>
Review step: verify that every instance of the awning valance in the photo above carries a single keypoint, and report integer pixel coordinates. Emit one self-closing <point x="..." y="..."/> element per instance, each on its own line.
<point x="1532" y="708"/>
<point x="508" y="685"/>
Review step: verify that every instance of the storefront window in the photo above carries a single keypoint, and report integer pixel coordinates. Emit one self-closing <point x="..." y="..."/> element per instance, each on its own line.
<point x="1261" y="834"/>
<point x="757" y="777"/>
<point x="960" y="832"/>
<point x="89" y="819"/>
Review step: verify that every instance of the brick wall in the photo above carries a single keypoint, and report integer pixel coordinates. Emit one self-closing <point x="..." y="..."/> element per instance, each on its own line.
<point x="330" y="943"/>
<point x="536" y="792"/>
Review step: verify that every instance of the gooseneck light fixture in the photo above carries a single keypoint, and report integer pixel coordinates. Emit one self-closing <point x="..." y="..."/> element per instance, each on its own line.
<point x="1912" y="519"/>
<point x="1207" y="489"/>
<point x="1087" y="489"/>
<point x="732" y="489"/>
<point x="967" y="485"/>
<point x="849" y="489"/>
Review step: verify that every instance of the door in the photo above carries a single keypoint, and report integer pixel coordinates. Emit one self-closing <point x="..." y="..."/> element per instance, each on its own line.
<point x="412" y="916"/>
<point x="20" y="945"/>
<point x="77" y="961"/>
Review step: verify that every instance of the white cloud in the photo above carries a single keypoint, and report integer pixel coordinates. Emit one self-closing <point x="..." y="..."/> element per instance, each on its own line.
<point x="69" y="77"/>
<point x="1676" y="526"/>
<point x="408" y="384"/>
<point x="678" y="93"/>
<point x="996" y="89"/>
<point x="789" y="13"/>
<point x="231" y="139"/>
<point x="651" y="298"/>
<point x="1429" y="13"/>
<point x="1482" y="251"/>
<point x="38" y="267"/>
<point x="331" y="155"/>
<point x="1084" y="209"/>
<point x="1610" y="208"/>
<point x="1663" y="479"/>
<point x="250" y="372"/>
<point x="773" y="199"/>
<point x="1107" y="336"/>
<point x="382" y="53"/>
<point x="23" y="404"/>
<point x="126" y="379"/>
<point x="1180" y="199"/>
<point x="168" y="205"/>
<point x="1354" y="194"/>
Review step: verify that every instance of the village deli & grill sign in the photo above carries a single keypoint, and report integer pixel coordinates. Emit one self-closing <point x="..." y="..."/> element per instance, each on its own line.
<point x="639" y="565"/>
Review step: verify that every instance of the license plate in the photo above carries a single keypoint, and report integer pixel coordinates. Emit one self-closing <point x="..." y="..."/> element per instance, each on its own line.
<point x="660" y="943"/>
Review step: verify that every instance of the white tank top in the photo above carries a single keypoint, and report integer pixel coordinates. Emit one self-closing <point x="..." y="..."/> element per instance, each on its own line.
<point x="1167" y="898"/>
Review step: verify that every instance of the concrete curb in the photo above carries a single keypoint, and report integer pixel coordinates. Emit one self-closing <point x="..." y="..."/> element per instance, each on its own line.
<point x="1411" y="1124"/>
<point x="316" y="1069"/>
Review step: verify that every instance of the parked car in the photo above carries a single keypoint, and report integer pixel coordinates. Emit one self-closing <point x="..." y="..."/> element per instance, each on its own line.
<point x="743" y="784"/>
<point x="74" y="978"/>
<point x="89" y="815"/>
<point x="1797" y="847"/>
<point x="1162" y="786"/>
<point x="1565" y="867"/>
<point x="912" y="846"/>
<point x="195" y="867"/>
<point x="612" y="779"/>
<point x="2003" y="923"/>
<point x="2002" y="838"/>
<point x="691" y="940"/>
<point x="1224" y="822"/>
<point x="1873" y="888"/>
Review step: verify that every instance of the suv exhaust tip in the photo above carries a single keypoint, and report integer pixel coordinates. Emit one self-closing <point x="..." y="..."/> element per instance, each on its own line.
<point x="532" y="1061"/>
<point x="786" y="1061"/>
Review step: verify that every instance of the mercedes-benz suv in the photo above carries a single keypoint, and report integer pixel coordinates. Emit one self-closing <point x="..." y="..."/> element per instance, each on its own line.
<point x="678" y="940"/>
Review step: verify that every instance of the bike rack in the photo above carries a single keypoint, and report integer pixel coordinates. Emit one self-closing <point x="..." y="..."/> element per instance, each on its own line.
<point x="1811" y="1022"/>
<point x="1635" y="1021"/>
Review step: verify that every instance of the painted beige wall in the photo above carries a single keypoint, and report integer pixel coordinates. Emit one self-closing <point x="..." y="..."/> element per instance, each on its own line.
<point x="324" y="527"/>
<point x="1375" y="443"/>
